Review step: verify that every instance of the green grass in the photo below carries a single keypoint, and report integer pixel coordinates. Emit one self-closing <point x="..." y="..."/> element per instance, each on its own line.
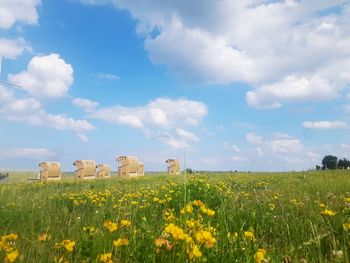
<point x="282" y="210"/>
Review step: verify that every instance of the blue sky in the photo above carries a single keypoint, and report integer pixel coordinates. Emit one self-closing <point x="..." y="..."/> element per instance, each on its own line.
<point x="228" y="85"/>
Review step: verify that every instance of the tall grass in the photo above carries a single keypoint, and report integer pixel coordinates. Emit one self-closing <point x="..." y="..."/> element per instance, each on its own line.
<point x="282" y="214"/>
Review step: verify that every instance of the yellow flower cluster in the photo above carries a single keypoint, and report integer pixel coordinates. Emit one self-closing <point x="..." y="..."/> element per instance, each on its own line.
<point x="328" y="212"/>
<point x="125" y="223"/>
<point x="111" y="226"/>
<point x="249" y="235"/>
<point x="67" y="244"/>
<point x="193" y="233"/>
<point x="260" y="255"/>
<point x="121" y="242"/>
<point x="7" y="244"/>
<point x="106" y="258"/>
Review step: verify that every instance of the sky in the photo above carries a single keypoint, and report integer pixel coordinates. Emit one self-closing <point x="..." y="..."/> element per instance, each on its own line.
<point x="220" y="85"/>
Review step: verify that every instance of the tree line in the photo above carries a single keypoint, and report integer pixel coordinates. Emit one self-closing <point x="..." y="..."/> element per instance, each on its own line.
<point x="332" y="162"/>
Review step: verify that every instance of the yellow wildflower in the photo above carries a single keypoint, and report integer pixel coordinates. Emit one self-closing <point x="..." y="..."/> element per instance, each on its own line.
<point x="347" y="199"/>
<point x="11" y="257"/>
<point x="205" y="237"/>
<point x="260" y="255"/>
<point x="121" y="242"/>
<point x="176" y="232"/>
<point x="69" y="245"/>
<point x="210" y="212"/>
<point x="198" y="203"/>
<point x="159" y="242"/>
<point x="328" y="212"/>
<point x="111" y="226"/>
<point x="346" y="226"/>
<point x="322" y="205"/>
<point x="106" y="258"/>
<point x="44" y="237"/>
<point x="249" y="235"/>
<point x="125" y="223"/>
<point x="195" y="252"/>
<point x="11" y="237"/>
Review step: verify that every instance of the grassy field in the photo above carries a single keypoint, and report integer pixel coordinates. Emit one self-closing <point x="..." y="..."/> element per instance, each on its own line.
<point x="238" y="217"/>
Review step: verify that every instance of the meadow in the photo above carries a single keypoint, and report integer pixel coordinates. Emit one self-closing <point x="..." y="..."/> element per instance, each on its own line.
<point x="214" y="217"/>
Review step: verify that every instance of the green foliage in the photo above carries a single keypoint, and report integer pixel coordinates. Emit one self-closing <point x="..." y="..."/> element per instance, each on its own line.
<point x="329" y="162"/>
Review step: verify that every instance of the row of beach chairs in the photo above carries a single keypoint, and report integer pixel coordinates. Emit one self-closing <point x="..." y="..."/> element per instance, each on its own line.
<point x="88" y="169"/>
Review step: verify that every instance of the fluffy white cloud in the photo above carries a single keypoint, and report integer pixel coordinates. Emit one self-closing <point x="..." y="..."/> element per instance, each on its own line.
<point x="186" y="135"/>
<point x="161" y="112"/>
<point x="279" y="143"/>
<point x="13" y="48"/>
<point x="22" y="106"/>
<point x="5" y="94"/>
<point x="291" y="88"/>
<point x="31" y="153"/>
<point x="30" y="111"/>
<point x="23" y="11"/>
<point x="161" y="118"/>
<point x="325" y="125"/>
<point x="87" y="105"/>
<point x="46" y="76"/>
<point x="287" y="50"/>
<point x="285" y="145"/>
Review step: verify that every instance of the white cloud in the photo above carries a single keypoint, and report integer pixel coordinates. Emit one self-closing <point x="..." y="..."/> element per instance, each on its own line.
<point x="161" y="112"/>
<point x="279" y="143"/>
<point x="164" y="119"/>
<point x="28" y="153"/>
<point x="46" y="76"/>
<point x="285" y="145"/>
<point x="345" y="146"/>
<point x="82" y="137"/>
<point x="186" y="135"/>
<point x="22" y="106"/>
<point x="253" y="138"/>
<point x="30" y="111"/>
<point x="5" y="94"/>
<point x="108" y="76"/>
<point x="87" y="105"/>
<point x="13" y="48"/>
<point x="301" y="54"/>
<point x="325" y="125"/>
<point x="23" y="11"/>
<point x="174" y="142"/>
<point x="291" y="88"/>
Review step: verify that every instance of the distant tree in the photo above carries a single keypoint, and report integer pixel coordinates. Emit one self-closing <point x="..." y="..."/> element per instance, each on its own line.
<point x="343" y="163"/>
<point x="318" y="167"/>
<point x="329" y="162"/>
